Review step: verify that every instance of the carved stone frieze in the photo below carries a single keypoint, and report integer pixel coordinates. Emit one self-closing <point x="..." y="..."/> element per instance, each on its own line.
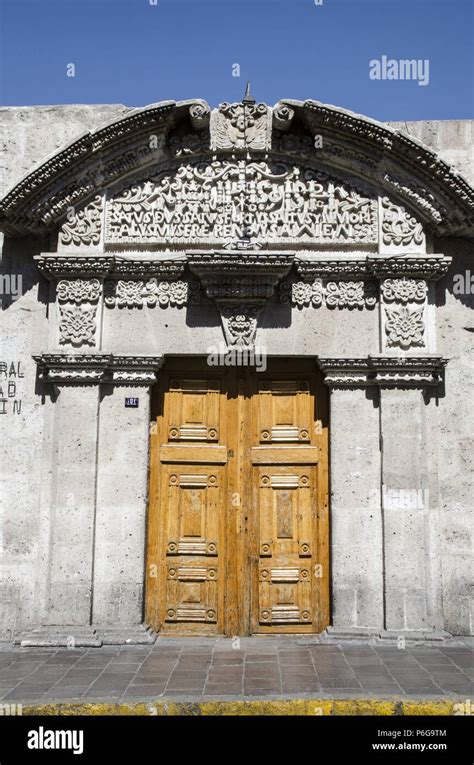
<point x="302" y="293"/>
<point x="384" y="371"/>
<point x="112" y="369"/>
<point x="340" y="294"/>
<point x="69" y="265"/>
<point x="188" y="144"/>
<point x="135" y="294"/>
<point x="131" y="264"/>
<point x="358" y="264"/>
<point x="404" y="327"/>
<point x="347" y="294"/>
<point x="78" y="290"/>
<point x="404" y="290"/>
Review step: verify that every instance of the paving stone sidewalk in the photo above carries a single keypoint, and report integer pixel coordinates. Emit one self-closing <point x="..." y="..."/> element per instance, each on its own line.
<point x="206" y="668"/>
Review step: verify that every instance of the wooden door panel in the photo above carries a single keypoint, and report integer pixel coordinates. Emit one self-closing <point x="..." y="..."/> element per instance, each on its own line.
<point x="238" y="503"/>
<point x="193" y="528"/>
<point x="193" y="480"/>
<point x="287" y="497"/>
<point x="285" y="456"/>
<point x="284" y="411"/>
<point x="193" y="410"/>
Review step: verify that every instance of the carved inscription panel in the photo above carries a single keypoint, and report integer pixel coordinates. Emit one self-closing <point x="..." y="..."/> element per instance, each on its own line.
<point x="215" y="201"/>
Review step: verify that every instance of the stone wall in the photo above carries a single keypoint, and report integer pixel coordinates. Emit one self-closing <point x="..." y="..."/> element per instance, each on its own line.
<point x="40" y="536"/>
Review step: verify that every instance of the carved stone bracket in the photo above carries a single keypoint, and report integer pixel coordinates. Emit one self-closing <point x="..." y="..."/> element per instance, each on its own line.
<point x="240" y="282"/>
<point x="106" y="368"/>
<point x="384" y="371"/>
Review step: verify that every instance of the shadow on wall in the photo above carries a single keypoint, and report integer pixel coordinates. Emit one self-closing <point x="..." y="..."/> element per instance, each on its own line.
<point x="19" y="272"/>
<point x="459" y="280"/>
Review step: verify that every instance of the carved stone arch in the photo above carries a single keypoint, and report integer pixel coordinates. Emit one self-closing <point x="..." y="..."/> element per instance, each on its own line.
<point x="398" y="165"/>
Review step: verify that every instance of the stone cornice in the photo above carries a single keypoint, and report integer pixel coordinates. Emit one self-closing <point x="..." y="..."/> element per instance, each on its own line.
<point x="415" y="266"/>
<point x="384" y="371"/>
<point x="71" y="265"/>
<point x="106" y="368"/>
<point x="390" y="161"/>
<point x="253" y="265"/>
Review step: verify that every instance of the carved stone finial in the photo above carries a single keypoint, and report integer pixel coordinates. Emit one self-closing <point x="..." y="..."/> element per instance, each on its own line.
<point x="248" y="98"/>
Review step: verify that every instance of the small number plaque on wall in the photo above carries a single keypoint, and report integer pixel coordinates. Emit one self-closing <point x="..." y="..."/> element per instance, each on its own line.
<point x="131" y="401"/>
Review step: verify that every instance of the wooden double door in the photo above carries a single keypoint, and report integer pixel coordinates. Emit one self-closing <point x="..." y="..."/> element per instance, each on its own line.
<point x="238" y="513"/>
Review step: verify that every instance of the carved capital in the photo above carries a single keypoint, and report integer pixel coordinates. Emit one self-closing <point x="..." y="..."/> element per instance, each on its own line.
<point x="384" y="371"/>
<point x="95" y="368"/>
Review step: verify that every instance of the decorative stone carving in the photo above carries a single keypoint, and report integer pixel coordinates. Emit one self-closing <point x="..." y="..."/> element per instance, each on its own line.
<point x="214" y="201"/>
<point x="293" y="145"/>
<point x="404" y="327"/>
<point x="361" y="146"/>
<point x="302" y="293"/>
<point x="282" y="116"/>
<point x="240" y="282"/>
<point x="404" y="290"/>
<point x="77" y="325"/>
<point x="241" y="126"/>
<point x="199" y="114"/>
<point x="78" y="290"/>
<point x="96" y="368"/>
<point x="188" y="144"/>
<point x="399" y="227"/>
<point x="83" y="228"/>
<point x="132" y="293"/>
<point x="334" y="264"/>
<point x="131" y="264"/>
<point x="350" y="294"/>
<point x="383" y="371"/>
<point x="359" y="264"/>
<point x="55" y="266"/>
<point x="417" y="195"/>
<point x="123" y="293"/>
<point x="240" y="324"/>
<point x="342" y="294"/>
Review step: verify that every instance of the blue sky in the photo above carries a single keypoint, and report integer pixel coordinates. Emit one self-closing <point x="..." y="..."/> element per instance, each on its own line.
<point x="135" y="53"/>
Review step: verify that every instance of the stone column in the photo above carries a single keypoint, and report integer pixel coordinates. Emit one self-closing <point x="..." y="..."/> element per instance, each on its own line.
<point x="119" y="552"/>
<point x="93" y="505"/>
<point x="411" y="515"/>
<point x="67" y="516"/>
<point x="356" y="518"/>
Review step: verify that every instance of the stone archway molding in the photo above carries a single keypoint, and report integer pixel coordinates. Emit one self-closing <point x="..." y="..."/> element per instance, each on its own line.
<point x="173" y="132"/>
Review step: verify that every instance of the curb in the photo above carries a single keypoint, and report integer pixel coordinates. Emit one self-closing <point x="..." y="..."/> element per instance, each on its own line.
<point x="320" y="707"/>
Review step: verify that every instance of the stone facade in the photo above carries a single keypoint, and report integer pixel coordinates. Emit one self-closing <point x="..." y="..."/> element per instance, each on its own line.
<point x="176" y="229"/>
